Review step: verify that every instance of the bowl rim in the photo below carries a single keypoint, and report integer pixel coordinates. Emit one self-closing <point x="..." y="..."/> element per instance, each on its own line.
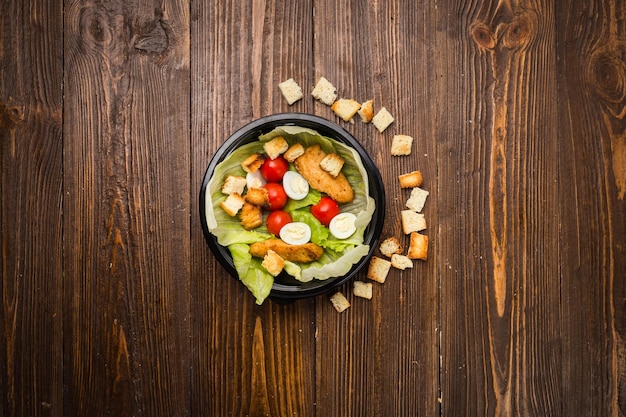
<point x="282" y="293"/>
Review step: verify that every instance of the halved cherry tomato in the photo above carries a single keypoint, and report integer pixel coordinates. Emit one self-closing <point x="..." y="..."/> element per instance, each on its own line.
<point x="276" y="194"/>
<point x="325" y="210"/>
<point x="276" y="220"/>
<point x="274" y="169"/>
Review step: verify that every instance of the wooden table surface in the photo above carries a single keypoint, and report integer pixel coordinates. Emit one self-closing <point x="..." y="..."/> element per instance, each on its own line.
<point x="113" y="304"/>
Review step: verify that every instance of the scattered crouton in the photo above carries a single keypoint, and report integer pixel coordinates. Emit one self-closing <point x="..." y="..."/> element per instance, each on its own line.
<point x="275" y="147"/>
<point x="412" y="221"/>
<point x="400" y="261"/>
<point x="340" y="302"/>
<point x="362" y="289"/>
<point x="401" y="145"/>
<point x="382" y="120"/>
<point x="234" y="184"/>
<point x="290" y="90"/>
<point x="390" y="246"/>
<point x="273" y="263"/>
<point x="367" y="111"/>
<point x="411" y="179"/>
<point x="233" y="203"/>
<point x="417" y="199"/>
<point x="346" y="108"/>
<point x="378" y="269"/>
<point x="332" y="163"/>
<point x="294" y="151"/>
<point x="418" y="248"/>
<point x="253" y="162"/>
<point x="324" y="91"/>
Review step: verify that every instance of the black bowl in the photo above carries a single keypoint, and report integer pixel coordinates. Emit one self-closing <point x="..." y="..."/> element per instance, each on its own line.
<point x="285" y="289"/>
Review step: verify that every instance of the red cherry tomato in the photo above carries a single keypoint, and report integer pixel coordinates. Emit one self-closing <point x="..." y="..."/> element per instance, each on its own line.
<point x="276" y="220"/>
<point x="274" y="169"/>
<point x="276" y="194"/>
<point x="325" y="210"/>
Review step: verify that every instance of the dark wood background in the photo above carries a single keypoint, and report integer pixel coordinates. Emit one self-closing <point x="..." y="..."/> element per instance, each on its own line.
<point x="112" y="303"/>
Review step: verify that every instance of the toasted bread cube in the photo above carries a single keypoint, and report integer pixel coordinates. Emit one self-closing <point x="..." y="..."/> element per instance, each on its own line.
<point x="275" y="147"/>
<point x="401" y="145"/>
<point x="410" y="179"/>
<point x="290" y="90"/>
<point x="251" y="216"/>
<point x="362" y="289"/>
<point x="417" y="199"/>
<point x="324" y="91"/>
<point x="346" y="108"/>
<point x="234" y="184"/>
<point x="400" y="261"/>
<point x="332" y="163"/>
<point x="390" y="246"/>
<point x="257" y="196"/>
<point x="382" y="120"/>
<point x="294" y="151"/>
<point x="253" y="162"/>
<point x="367" y="111"/>
<point x="378" y="269"/>
<point x="340" y="302"/>
<point x="418" y="248"/>
<point x="412" y="221"/>
<point x="233" y="203"/>
<point x="273" y="263"/>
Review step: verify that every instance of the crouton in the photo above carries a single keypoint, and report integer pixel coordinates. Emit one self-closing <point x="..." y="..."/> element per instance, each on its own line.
<point x="362" y="289"/>
<point x="233" y="203"/>
<point x="324" y="91"/>
<point x="346" y="108"/>
<point x="418" y="248"/>
<point x="275" y="147"/>
<point x="294" y="151"/>
<point x="251" y="216"/>
<point x="417" y="199"/>
<point x="234" y="184"/>
<point x="382" y="120"/>
<point x="253" y="162"/>
<point x="410" y="179"/>
<point x="401" y="145"/>
<point x="273" y="263"/>
<point x="400" y="261"/>
<point x="257" y="196"/>
<point x="332" y="163"/>
<point x="390" y="246"/>
<point x="340" y="302"/>
<point x="290" y="90"/>
<point x="412" y="221"/>
<point x="378" y="269"/>
<point x="366" y="111"/>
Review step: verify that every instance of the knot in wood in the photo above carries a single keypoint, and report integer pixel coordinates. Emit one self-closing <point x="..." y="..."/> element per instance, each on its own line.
<point x="10" y="116"/>
<point x="94" y="26"/>
<point x="519" y="31"/>
<point x="153" y="39"/>
<point x="606" y="75"/>
<point x="483" y="36"/>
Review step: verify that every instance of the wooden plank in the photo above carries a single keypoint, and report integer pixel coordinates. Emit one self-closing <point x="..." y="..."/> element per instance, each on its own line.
<point x="127" y="208"/>
<point x="31" y="146"/>
<point x="592" y="134"/>
<point x="248" y="359"/>
<point x="380" y="357"/>
<point x="499" y="238"/>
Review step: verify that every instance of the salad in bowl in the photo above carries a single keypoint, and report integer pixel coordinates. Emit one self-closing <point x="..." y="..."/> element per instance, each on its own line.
<point x="292" y="206"/>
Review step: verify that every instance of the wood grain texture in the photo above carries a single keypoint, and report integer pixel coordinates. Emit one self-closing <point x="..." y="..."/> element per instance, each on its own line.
<point x="112" y="303"/>
<point x="127" y="208"/>
<point x="497" y="105"/>
<point x="31" y="181"/>
<point x="592" y="78"/>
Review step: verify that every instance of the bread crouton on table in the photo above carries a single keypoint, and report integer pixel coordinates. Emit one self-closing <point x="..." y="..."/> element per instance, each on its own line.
<point x="290" y="90"/>
<point x="324" y="91"/>
<point x="378" y="269"/>
<point x="339" y="302"/>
